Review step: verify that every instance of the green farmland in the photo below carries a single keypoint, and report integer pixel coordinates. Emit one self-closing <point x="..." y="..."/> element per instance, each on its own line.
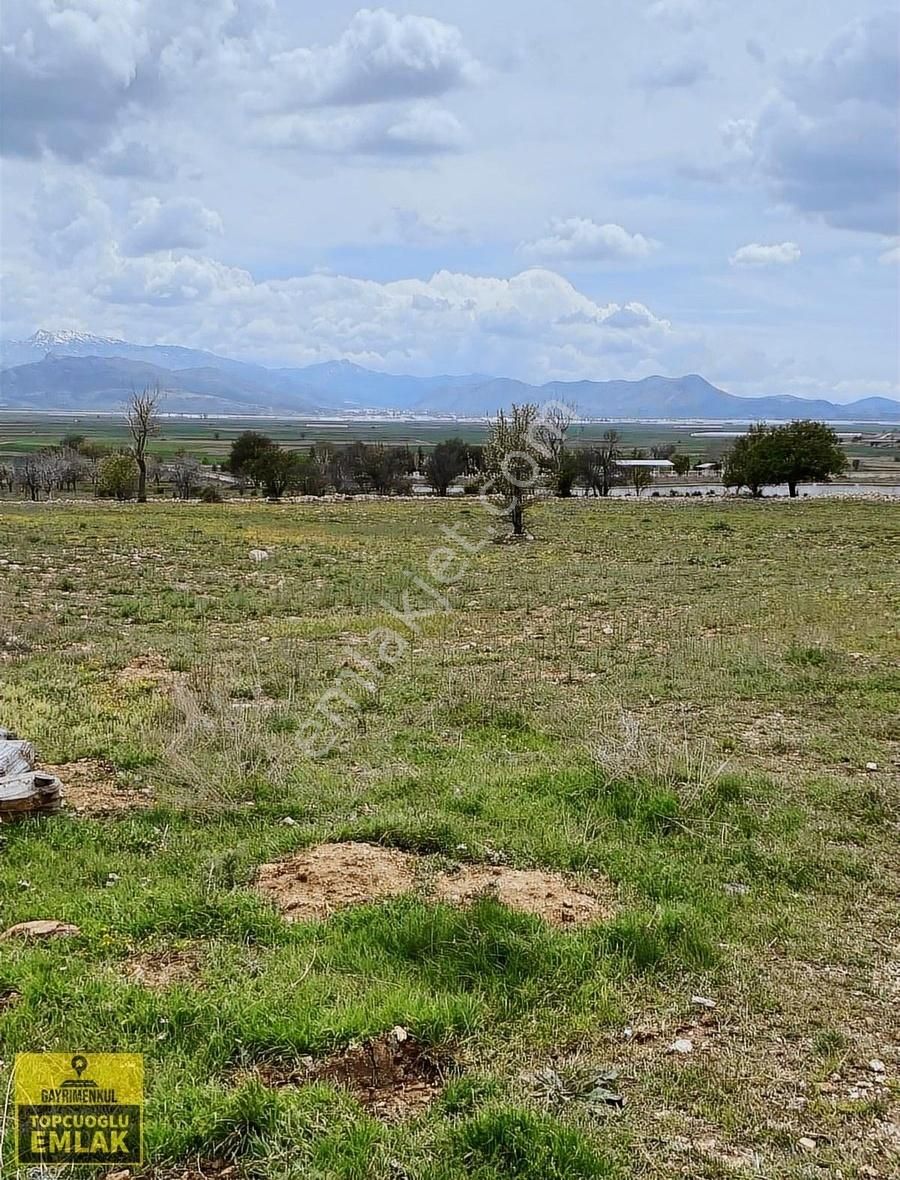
<point x="687" y="710"/>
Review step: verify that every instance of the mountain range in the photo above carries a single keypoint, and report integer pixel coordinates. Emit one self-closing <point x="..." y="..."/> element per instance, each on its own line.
<point x="78" y="371"/>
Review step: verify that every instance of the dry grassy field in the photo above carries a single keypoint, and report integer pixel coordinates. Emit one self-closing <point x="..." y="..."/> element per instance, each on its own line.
<point x="600" y="879"/>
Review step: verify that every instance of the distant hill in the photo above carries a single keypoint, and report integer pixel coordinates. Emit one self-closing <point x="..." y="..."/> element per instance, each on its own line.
<point x="78" y="371"/>
<point x="105" y="383"/>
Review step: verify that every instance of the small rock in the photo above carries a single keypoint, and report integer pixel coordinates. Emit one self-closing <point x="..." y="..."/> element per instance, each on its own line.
<point x="808" y="1144"/>
<point x="41" y="928"/>
<point x="122" y="1174"/>
<point x="703" y="1002"/>
<point x="736" y="890"/>
<point x="288" y="822"/>
<point x="682" y="1045"/>
<point x="871" y="767"/>
<point x="399" y="1034"/>
<point x="259" y="555"/>
<point x="877" y="1066"/>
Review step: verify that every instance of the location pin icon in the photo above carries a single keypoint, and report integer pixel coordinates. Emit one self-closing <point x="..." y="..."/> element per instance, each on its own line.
<point x="79" y="1064"/>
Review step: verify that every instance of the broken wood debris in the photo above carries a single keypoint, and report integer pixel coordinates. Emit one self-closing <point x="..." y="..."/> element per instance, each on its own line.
<point x="24" y="791"/>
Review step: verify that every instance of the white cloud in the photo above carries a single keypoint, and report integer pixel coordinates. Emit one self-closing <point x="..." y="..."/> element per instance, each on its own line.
<point x="70" y="73"/>
<point x="416" y="228"/>
<point x="380" y="57"/>
<point x="420" y="130"/>
<point x="753" y="254"/>
<point x="579" y="238"/>
<point x="682" y="15"/>
<point x="135" y="159"/>
<point x="168" y="280"/>
<point x="533" y="325"/>
<point x="68" y="219"/>
<point x="181" y="223"/>
<point x="826" y="140"/>
<point x="891" y="256"/>
<point x="677" y="73"/>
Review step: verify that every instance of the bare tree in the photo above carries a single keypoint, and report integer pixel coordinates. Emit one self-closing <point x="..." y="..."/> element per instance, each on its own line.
<point x="641" y="477"/>
<point x="143" y="423"/>
<point x="514" y="459"/>
<point x="186" y="474"/>
<point x="599" y="464"/>
<point x="555" y="422"/>
<point x="29" y="475"/>
<point x="561" y="464"/>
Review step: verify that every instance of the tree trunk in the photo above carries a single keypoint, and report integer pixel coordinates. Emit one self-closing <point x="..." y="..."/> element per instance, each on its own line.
<point x="142" y="479"/>
<point x="515" y="516"/>
<point x="792" y="488"/>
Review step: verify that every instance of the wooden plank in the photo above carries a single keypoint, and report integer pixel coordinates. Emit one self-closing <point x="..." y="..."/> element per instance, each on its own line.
<point x="15" y="757"/>
<point x="34" y="793"/>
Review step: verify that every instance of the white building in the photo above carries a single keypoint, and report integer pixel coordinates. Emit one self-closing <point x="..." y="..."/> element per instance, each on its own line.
<point x="654" y="466"/>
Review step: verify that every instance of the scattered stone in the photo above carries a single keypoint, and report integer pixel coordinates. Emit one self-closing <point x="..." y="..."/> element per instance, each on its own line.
<point x="40" y="928"/>
<point x="288" y="822"/>
<point x="681" y="1045"/>
<point x="703" y="1002"/>
<point x="871" y="767"/>
<point x="259" y="555"/>
<point x="736" y="890"/>
<point x="807" y="1143"/>
<point x="877" y="1066"/>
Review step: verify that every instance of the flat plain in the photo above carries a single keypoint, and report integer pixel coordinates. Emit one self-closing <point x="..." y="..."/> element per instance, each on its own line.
<point x="688" y="711"/>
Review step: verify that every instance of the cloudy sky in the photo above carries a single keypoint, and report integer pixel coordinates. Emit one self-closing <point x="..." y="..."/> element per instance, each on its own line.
<point x="585" y="189"/>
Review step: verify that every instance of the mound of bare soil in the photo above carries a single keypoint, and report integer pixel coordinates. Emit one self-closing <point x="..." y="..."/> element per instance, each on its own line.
<point x="331" y="877"/>
<point x="319" y="881"/>
<point x="91" y="787"/>
<point x="149" y="668"/>
<point x="532" y="891"/>
<point x="394" y="1076"/>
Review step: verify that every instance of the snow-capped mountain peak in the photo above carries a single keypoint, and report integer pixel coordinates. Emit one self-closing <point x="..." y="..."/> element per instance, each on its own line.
<point x="64" y="337"/>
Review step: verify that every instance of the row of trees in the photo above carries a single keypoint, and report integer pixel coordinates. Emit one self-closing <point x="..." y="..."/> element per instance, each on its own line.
<point x="527" y="450"/>
<point x="112" y="474"/>
<point x="256" y="460"/>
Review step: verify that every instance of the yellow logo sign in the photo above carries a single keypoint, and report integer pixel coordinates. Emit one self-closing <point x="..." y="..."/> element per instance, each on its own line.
<point x="79" y="1109"/>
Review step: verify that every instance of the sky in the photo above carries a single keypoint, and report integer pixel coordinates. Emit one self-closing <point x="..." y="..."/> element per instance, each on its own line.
<point x="590" y="189"/>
